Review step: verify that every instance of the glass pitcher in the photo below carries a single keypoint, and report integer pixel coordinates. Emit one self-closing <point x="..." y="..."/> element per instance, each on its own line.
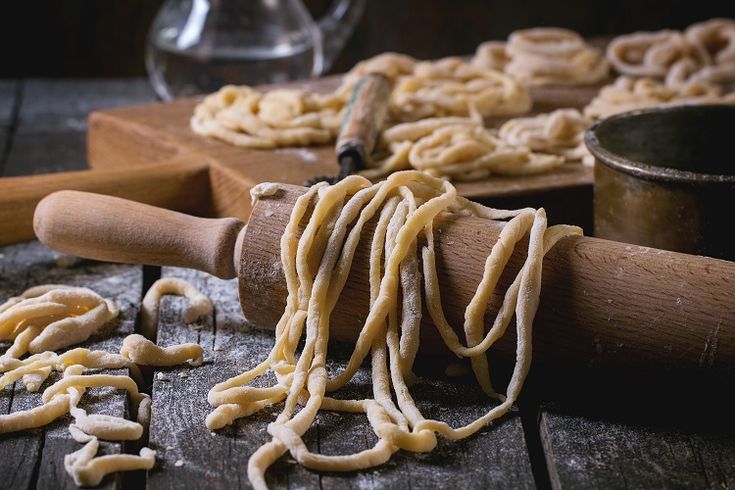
<point x="197" y="46"/>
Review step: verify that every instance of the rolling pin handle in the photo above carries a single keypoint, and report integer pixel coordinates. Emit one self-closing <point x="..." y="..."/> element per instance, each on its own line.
<point x="111" y="229"/>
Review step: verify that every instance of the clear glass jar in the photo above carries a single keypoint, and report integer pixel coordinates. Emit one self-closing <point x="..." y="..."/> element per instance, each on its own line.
<point x="197" y="46"/>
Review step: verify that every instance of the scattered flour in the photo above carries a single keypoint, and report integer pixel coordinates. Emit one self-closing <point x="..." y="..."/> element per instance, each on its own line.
<point x="304" y="154"/>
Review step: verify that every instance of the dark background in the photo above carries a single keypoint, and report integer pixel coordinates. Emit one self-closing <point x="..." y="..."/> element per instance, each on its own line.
<point x="106" y="38"/>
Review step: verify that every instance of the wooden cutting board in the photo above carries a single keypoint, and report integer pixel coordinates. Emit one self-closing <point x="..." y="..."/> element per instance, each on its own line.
<point x="160" y="132"/>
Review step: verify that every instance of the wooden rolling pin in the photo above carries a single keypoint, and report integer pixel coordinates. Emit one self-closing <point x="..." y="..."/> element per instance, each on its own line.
<point x="603" y="303"/>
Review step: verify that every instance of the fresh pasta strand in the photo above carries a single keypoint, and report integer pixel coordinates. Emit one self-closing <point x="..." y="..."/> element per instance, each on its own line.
<point x="703" y="53"/>
<point x="142" y="351"/>
<point x="652" y="54"/>
<point x="88" y="470"/>
<point x="453" y="87"/>
<point x="544" y="56"/>
<point x="463" y="149"/>
<point x="560" y="132"/>
<point x="405" y="206"/>
<point x="51" y="317"/>
<point x="243" y="116"/>
<point x="199" y="305"/>
<point x="626" y="94"/>
<point x="246" y="117"/>
<point x="548" y="55"/>
<point x="54" y="316"/>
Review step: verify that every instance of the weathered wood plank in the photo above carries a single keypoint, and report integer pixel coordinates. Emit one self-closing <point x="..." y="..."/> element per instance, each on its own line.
<point x="653" y="435"/>
<point x="180" y="398"/>
<point x="21" y="451"/>
<point x="35" y="152"/>
<point x="52" y="121"/>
<point x="495" y="458"/>
<point x="62" y="105"/>
<point x="8" y="95"/>
<point x="35" y="458"/>
<point x="8" y="90"/>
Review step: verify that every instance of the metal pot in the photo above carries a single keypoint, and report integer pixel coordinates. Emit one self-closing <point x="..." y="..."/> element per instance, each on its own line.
<point x="665" y="178"/>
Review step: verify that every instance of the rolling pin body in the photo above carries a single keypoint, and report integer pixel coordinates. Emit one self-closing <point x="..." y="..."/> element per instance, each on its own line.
<point x="603" y="303"/>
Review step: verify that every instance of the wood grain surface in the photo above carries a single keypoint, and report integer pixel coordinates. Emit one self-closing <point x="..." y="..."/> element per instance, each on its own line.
<point x="50" y="121"/>
<point x="596" y="451"/>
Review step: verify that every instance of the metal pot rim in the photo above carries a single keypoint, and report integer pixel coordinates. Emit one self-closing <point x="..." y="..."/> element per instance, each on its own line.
<point x="644" y="170"/>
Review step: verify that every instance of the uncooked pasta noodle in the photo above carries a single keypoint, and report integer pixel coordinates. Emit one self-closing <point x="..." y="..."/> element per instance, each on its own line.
<point x="544" y="56"/>
<point x="50" y="317"/>
<point x="685" y="73"/>
<point x="143" y="352"/>
<point x="402" y="278"/>
<point x="560" y="132"/>
<point x="652" y="54"/>
<point x="627" y="94"/>
<point x="716" y="36"/>
<point x="548" y="55"/>
<point x="199" y="305"/>
<point x="445" y="87"/>
<point x="391" y="65"/>
<point x="704" y="52"/>
<point x="492" y="55"/>
<point x="88" y="470"/>
<point x="457" y="148"/>
<point x="453" y="87"/>
<point x="245" y="116"/>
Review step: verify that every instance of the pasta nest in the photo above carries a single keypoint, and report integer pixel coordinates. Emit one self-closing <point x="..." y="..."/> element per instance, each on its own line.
<point x="627" y="94"/>
<point x="452" y="87"/>
<point x="543" y="56"/>
<point x="560" y="132"/>
<point x="456" y="148"/>
<point x="652" y="54"/>
<point x="704" y="52"/>
<point x="244" y="116"/>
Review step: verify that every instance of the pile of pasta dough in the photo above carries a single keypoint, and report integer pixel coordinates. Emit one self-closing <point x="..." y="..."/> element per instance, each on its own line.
<point x="453" y="87"/>
<point x="51" y="317"/>
<point x="456" y="148"/>
<point x="544" y="56"/>
<point x="247" y="117"/>
<point x="704" y="52"/>
<point x="627" y="94"/>
<point x="435" y="121"/>
<point x="560" y="132"/>
<point x="462" y="148"/>
<point x="445" y="87"/>
<point x="403" y="280"/>
<point x="244" y="116"/>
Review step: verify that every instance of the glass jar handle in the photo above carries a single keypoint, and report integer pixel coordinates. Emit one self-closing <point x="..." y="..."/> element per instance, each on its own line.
<point x="337" y="25"/>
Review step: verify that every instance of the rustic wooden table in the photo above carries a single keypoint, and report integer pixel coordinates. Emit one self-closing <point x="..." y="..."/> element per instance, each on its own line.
<point x="658" y="431"/>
